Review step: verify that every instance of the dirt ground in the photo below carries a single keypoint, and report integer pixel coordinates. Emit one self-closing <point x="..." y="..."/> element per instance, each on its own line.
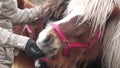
<point x="37" y="2"/>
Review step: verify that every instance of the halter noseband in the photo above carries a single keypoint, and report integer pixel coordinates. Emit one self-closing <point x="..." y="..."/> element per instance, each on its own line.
<point x="72" y="44"/>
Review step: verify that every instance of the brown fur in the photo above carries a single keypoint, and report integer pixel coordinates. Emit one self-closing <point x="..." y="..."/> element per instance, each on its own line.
<point x="54" y="9"/>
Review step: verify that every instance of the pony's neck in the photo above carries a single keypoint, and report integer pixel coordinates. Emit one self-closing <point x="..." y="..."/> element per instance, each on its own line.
<point x="115" y="13"/>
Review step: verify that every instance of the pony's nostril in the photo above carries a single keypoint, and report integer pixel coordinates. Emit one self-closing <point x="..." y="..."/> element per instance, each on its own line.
<point x="49" y="39"/>
<point x="52" y="50"/>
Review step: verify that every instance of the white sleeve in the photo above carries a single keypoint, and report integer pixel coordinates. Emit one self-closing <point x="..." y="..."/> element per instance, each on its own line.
<point x="26" y="15"/>
<point x="9" y="39"/>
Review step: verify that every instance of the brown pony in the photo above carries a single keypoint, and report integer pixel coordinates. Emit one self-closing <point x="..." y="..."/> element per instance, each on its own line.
<point x="89" y="31"/>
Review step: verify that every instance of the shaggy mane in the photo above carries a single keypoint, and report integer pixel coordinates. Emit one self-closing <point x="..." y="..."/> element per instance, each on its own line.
<point x="96" y="11"/>
<point x="111" y="42"/>
<point x="54" y="9"/>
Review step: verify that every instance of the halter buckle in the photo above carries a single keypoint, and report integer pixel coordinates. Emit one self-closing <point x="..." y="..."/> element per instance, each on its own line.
<point x="66" y="42"/>
<point x="66" y="47"/>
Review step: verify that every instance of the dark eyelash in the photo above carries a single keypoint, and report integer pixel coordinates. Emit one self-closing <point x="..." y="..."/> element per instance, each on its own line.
<point x="87" y="23"/>
<point x="49" y="39"/>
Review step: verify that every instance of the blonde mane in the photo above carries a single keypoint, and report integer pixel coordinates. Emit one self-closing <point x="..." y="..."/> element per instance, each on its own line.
<point x="96" y="11"/>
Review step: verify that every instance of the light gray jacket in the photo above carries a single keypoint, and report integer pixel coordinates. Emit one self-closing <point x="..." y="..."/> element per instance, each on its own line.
<point x="9" y="15"/>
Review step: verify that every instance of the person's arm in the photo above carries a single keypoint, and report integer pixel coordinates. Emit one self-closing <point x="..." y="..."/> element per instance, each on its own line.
<point x="9" y="10"/>
<point x="23" y="15"/>
<point x="9" y="39"/>
<point x="26" y="15"/>
<point x="20" y="15"/>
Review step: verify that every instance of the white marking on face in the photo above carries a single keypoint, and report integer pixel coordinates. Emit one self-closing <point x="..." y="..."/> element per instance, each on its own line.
<point x="42" y="35"/>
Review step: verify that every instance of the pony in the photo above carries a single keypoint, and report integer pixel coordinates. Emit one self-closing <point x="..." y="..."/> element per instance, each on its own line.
<point x="88" y="32"/>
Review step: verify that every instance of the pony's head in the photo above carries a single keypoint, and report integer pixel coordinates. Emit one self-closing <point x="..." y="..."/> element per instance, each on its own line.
<point x="69" y="42"/>
<point x="52" y="43"/>
<point x="84" y="23"/>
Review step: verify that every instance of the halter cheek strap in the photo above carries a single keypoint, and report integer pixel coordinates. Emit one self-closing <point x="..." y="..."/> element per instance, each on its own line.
<point x="28" y="28"/>
<point x="66" y="41"/>
<point x="69" y="44"/>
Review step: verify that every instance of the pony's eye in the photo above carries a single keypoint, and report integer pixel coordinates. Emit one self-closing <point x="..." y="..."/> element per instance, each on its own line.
<point x="48" y="39"/>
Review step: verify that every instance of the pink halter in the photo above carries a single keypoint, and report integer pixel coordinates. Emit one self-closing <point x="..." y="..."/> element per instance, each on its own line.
<point x="68" y="44"/>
